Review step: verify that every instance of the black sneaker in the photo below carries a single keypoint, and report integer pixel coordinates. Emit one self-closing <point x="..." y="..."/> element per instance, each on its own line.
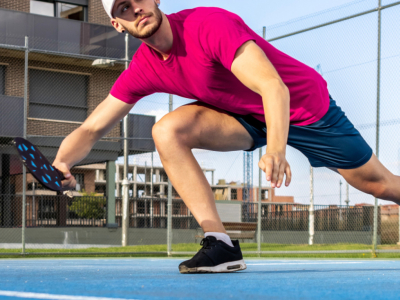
<point x="215" y="257"/>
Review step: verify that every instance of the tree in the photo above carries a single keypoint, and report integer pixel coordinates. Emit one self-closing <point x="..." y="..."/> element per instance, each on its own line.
<point x="89" y="206"/>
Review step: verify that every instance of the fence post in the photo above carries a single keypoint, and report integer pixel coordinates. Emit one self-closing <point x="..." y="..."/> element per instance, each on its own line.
<point x="125" y="212"/>
<point x="311" y="209"/>
<point x="169" y="204"/>
<point x="398" y="214"/>
<point x="378" y="95"/>
<point x="24" y="133"/>
<point x="260" y="186"/>
<point x="110" y="193"/>
<point x="340" y="202"/>
<point x="125" y="182"/>
<point x="151" y="193"/>
<point x="259" y="207"/>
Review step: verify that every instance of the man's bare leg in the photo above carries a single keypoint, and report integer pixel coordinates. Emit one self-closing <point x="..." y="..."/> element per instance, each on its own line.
<point x="197" y="126"/>
<point x="373" y="178"/>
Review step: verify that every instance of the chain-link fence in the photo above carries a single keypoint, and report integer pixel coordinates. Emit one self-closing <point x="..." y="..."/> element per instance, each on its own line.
<point x="53" y="74"/>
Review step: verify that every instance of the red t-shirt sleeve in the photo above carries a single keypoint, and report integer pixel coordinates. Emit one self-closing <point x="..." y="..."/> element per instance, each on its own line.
<point x="129" y="87"/>
<point x="221" y="35"/>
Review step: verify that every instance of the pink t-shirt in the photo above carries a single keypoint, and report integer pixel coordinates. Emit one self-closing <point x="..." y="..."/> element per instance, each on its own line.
<point x="205" y="41"/>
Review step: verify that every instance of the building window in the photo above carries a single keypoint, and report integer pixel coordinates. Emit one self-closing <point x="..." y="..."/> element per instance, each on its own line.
<point x="100" y="189"/>
<point x="264" y="210"/>
<point x="176" y="208"/>
<point x="60" y="9"/>
<point x="80" y="178"/>
<point x="43" y="8"/>
<point x="233" y="194"/>
<point x="70" y="11"/>
<point x="140" y="207"/>
<point x="57" y="95"/>
<point x="264" y="194"/>
<point x="80" y="181"/>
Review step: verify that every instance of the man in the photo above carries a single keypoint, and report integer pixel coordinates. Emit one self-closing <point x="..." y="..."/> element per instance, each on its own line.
<point x="249" y="94"/>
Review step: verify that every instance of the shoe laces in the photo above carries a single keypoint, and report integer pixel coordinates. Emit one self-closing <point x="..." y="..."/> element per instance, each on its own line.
<point x="206" y="243"/>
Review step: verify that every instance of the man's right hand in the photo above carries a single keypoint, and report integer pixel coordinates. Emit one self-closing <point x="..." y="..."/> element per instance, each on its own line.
<point x="69" y="183"/>
<point x="77" y="145"/>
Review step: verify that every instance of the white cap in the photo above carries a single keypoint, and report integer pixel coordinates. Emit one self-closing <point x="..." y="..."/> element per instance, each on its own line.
<point x="108" y="6"/>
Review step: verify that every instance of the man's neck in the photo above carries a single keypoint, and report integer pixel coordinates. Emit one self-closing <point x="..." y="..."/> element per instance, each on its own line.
<point x="162" y="40"/>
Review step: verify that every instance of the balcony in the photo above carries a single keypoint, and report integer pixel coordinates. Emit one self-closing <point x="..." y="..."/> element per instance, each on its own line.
<point x="63" y="36"/>
<point x="139" y="132"/>
<point x="11" y="116"/>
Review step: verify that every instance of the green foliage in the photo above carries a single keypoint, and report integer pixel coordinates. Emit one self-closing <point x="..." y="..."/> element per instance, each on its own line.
<point x="89" y="206"/>
<point x="129" y="251"/>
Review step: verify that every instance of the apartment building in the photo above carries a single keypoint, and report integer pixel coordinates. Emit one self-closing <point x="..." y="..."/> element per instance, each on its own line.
<point x="148" y="186"/>
<point x="59" y="60"/>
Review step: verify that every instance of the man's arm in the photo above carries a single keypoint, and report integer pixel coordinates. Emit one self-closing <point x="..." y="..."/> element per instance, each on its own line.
<point x="77" y="145"/>
<point x="252" y="67"/>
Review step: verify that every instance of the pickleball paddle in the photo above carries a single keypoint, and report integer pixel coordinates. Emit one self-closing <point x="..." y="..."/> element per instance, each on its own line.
<point x="38" y="165"/>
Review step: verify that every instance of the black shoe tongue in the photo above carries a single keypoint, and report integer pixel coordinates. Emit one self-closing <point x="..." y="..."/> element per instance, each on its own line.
<point x="212" y="238"/>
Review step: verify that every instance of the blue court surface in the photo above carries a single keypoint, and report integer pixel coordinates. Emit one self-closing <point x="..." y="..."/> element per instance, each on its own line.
<point x="95" y="279"/>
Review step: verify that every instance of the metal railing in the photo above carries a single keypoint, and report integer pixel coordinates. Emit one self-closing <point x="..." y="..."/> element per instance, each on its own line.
<point x="53" y="211"/>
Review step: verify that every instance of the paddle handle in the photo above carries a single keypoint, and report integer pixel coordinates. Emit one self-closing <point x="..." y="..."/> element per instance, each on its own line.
<point x="67" y="193"/>
<point x="60" y="174"/>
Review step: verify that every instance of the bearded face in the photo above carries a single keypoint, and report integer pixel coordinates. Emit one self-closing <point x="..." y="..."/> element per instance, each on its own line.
<point x="141" y="22"/>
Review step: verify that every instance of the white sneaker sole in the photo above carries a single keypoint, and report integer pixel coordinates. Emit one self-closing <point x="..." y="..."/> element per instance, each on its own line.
<point x="228" y="267"/>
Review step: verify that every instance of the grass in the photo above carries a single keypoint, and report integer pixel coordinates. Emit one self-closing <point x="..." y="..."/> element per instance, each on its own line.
<point x="129" y="251"/>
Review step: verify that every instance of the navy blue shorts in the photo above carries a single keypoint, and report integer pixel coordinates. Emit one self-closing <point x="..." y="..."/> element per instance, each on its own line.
<point x="331" y="142"/>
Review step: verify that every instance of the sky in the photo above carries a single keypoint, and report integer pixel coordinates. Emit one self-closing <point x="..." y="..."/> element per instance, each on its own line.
<point x="347" y="55"/>
<point x="258" y="13"/>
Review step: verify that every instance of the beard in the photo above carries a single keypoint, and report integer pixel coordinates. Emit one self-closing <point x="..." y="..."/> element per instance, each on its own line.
<point x="150" y="29"/>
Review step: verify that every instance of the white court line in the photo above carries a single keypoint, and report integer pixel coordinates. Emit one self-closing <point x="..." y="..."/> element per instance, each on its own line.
<point x="53" y="297"/>
<point x="320" y="263"/>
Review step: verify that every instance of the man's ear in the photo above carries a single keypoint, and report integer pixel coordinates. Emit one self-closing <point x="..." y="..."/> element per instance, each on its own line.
<point x="118" y="27"/>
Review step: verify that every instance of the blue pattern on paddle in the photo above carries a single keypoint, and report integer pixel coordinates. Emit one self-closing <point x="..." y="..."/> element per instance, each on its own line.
<point x="47" y="175"/>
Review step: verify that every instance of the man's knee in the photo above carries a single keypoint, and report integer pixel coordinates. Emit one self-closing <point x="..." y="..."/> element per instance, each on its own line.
<point x="160" y="132"/>
<point x="379" y="188"/>
<point x="382" y="190"/>
<point x="167" y="131"/>
<point x="181" y="125"/>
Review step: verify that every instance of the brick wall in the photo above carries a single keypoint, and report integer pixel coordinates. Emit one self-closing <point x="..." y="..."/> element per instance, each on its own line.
<point x="14" y="79"/>
<point x="20" y="5"/>
<point x="89" y="180"/>
<point x="279" y="199"/>
<point x="97" y="14"/>
<point x="99" y="85"/>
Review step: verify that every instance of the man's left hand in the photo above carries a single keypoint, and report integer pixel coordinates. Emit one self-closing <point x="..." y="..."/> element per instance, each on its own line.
<point x="275" y="166"/>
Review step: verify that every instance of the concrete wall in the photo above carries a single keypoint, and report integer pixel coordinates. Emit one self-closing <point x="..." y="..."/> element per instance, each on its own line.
<point x="229" y="211"/>
<point x="320" y="237"/>
<point x="142" y="236"/>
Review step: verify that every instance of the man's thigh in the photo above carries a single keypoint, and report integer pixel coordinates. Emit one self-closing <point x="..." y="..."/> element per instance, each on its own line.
<point x="204" y="127"/>
<point x="331" y="142"/>
<point x="371" y="178"/>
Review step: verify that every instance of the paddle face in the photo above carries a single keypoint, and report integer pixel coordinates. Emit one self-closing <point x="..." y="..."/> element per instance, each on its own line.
<point x="38" y="165"/>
